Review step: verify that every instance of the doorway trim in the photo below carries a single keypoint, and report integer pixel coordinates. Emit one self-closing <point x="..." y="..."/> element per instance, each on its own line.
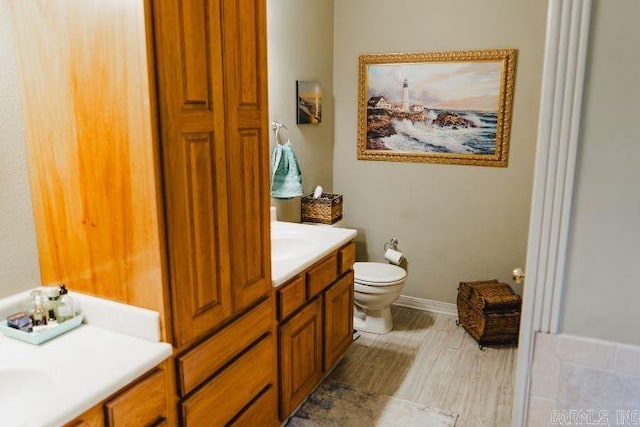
<point x="567" y="39"/>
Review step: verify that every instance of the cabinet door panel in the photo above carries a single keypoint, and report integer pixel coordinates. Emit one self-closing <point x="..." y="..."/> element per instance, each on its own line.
<point x="300" y="356"/>
<point x="247" y="145"/>
<point x="191" y="104"/>
<point x="338" y="319"/>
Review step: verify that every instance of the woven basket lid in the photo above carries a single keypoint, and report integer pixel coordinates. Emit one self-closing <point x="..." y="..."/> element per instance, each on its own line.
<point x="378" y="272"/>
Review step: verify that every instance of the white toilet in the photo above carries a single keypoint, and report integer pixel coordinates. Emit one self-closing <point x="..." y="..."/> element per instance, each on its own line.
<point x="377" y="286"/>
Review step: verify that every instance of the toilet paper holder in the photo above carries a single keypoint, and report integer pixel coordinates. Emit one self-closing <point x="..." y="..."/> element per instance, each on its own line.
<point x="391" y="244"/>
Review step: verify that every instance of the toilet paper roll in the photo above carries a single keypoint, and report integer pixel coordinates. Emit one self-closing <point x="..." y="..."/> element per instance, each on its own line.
<point x="393" y="256"/>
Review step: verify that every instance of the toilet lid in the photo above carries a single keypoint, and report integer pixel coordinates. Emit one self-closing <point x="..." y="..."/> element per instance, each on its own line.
<point x="378" y="273"/>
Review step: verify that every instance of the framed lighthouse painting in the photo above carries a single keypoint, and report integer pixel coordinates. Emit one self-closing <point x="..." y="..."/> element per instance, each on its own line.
<point x="439" y="107"/>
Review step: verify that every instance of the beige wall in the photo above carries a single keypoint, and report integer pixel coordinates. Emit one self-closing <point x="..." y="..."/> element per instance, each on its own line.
<point x="19" y="268"/>
<point x="300" y="47"/>
<point x="602" y="286"/>
<point x="453" y="222"/>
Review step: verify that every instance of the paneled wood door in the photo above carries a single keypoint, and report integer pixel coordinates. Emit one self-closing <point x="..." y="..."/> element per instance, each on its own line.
<point x="300" y="356"/>
<point x="188" y="41"/>
<point x="247" y="145"/>
<point x="338" y="319"/>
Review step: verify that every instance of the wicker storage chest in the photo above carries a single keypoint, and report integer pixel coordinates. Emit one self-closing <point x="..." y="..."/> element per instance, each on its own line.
<point x="327" y="209"/>
<point x="489" y="311"/>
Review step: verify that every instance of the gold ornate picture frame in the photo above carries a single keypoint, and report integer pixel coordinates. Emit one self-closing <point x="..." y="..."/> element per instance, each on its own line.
<point x="438" y="107"/>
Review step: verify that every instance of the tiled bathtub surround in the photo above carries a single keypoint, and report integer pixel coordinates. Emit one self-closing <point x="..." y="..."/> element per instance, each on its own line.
<point x="576" y="381"/>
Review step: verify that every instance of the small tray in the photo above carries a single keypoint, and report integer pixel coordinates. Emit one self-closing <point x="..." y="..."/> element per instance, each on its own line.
<point x="43" y="336"/>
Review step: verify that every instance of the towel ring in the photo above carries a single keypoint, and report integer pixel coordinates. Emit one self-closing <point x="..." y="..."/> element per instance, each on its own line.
<point x="276" y="128"/>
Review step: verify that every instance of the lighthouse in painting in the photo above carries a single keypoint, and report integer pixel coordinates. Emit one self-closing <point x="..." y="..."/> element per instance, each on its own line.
<point x="405" y="95"/>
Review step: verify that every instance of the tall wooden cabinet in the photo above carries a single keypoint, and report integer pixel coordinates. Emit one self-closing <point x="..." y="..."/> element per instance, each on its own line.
<point x="213" y="115"/>
<point x="147" y="143"/>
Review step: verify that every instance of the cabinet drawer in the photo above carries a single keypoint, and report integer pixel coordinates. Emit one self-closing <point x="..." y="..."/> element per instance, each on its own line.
<point x="262" y="412"/>
<point x="219" y="400"/>
<point x="322" y="275"/>
<point x="94" y="417"/>
<point x="141" y="405"/>
<point x="203" y="361"/>
<point x="346" y="257"/>
<point x="290" y="297"/>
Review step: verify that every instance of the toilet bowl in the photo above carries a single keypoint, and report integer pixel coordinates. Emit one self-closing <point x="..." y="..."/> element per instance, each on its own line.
<point x="377" y="286"/>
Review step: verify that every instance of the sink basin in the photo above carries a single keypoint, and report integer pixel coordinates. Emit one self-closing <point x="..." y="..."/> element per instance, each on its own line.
<point x="295" y="247"/>
<point x="287" y="247"/>
<point x="18" y="386"/>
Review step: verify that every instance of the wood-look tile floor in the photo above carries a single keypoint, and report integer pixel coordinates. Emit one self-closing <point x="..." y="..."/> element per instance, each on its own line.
<point x="429" y="360"/>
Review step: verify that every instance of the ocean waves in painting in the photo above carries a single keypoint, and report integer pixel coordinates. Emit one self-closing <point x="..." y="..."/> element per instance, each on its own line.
<point x="427" y="136"/>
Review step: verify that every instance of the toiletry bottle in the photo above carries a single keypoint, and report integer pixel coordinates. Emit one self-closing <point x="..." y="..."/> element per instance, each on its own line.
<point x="39" y="313"/>
<point x="53" y="296"/>
<point x="66" y="309"/>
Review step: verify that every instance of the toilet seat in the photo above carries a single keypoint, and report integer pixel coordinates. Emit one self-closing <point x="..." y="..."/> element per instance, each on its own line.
<point x="378" y="289"/>
<point x="378" y="274"/>
<point x="378" y="284"/>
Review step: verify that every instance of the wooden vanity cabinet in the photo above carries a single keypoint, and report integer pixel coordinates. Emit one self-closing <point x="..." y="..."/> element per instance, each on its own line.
<point x="147" y="145"/>
<point x="315" y="310"/>
<point x="214" y="145"/>
<point x="142" y="403"/>
<point x="214" y="139"/>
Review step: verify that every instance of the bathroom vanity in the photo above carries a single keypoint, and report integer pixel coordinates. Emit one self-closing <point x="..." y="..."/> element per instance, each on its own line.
<point x="313" y="291"/>
<point x="110" y="370"/>
<point x="147" y="145"/>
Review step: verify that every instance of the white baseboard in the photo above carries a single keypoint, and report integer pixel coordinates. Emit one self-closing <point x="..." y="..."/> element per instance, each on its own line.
<point x="427" y="305"/>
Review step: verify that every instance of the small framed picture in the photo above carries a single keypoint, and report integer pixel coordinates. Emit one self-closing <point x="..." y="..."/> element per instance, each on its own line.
<point x="309" y="96"/>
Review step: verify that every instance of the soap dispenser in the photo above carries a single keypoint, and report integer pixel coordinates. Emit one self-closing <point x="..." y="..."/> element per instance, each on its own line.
<point x="39" y="313"/>
<point x="53" y="297"/>
<point x="66" y="308"/>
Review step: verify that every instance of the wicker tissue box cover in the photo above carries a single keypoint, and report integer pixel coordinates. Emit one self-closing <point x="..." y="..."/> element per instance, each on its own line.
<point x="327" y="209"/>
<point x="489" y="311"/>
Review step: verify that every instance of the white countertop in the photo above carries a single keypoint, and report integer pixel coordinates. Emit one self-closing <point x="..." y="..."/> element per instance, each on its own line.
<point x="308" y="243"/>
<point x="62" y="378"/>
<point x="53" y="383"/>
